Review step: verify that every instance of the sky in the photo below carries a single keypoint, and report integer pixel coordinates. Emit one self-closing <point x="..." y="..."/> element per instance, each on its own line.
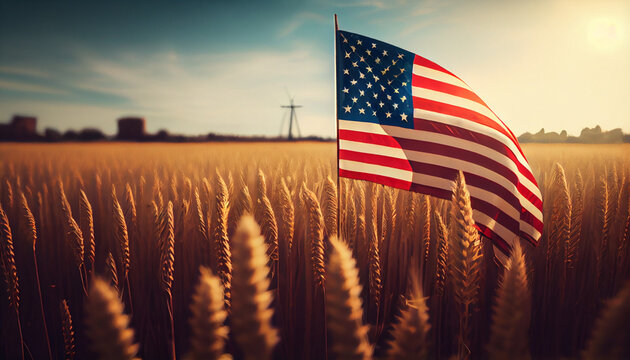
<point x="195" y="67"/>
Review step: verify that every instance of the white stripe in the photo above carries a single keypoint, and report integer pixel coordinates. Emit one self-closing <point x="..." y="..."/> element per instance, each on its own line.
<point x="372" y="149"/>
<point x="457" y="101"/>
<point x="439" y="76"/>
<point x="482" y="129"/>
<point x="428" y="180"/>
<point x="500" y="255"/>
<point x="497" y="228"/>
<point x="442" y="139"/>
<point x="439" y="159"/>
<point x="386" y="171"/>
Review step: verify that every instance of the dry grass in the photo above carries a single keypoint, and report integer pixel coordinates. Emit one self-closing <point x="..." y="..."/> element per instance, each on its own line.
<point x="409" y="277"/>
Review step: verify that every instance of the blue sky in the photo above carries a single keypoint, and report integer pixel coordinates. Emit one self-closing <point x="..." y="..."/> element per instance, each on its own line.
<point x="195" y="67"/>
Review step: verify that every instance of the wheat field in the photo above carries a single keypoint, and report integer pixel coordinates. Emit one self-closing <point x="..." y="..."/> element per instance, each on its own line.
<point x="216" y="251"/>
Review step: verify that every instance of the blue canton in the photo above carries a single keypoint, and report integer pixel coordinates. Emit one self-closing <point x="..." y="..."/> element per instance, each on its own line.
<point x="373" y="81"/>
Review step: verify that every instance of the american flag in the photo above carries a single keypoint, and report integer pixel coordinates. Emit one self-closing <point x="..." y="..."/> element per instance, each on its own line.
<point x="407" y="122"/>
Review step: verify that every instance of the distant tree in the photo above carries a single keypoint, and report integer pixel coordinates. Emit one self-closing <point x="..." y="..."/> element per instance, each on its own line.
<point x="91" y="135"/>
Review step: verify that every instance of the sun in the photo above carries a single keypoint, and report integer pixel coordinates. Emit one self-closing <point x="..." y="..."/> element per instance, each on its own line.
<point x="605" y="33"/>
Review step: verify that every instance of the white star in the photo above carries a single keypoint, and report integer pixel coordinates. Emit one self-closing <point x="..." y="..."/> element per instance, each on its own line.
<point x="369" y="52"/>
<point x="382" y="88"/>
<point x="388" y="114"/>
<point x="403" y="98"/>
<point x="384" y="52"/>
<point x="375" y="95"/>
<point x="353" y="82"/>
<point x="385" y="71"/>
<point x="369" y="85"/>
<point x="396" y="90"/>
<point x="347" y="54"/>
<point x="404" y="83"/>
<point x="368" y="104"/>
<point x="389" y="82"/>
<point x="369" y="69"/>
<point x="355" y="64"/>
<point x="403" y="117"/>
<point x="354" y="99"/>
<point x="400" y="56"/>
<point x="373" y="113"/>
<point x="389" y="97"/>
<point x="394" y="62"/>
<point x="362" y="111"/>
<point x="375" y="78"/>
<point x="361" y="76"/>
<point x="378" y="61"/>
<point x="361" y="59"/>
<point x="346" y="72"/>
<point x="361" y="92"/>
<point x="345" y="40"/>
<point x="373" y="45"/>
<point x="402" y="70"/>
<point x="395" y="106"/>
<point x="347" y="108"/>
<point x="345" y="90"/>
<point x="359" y="42"/>
<point x="381" y="104"/>
<point x="353" y="48"/>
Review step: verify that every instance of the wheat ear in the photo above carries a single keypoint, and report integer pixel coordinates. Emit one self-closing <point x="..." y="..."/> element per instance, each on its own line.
<point x="112" y="272"/>
<point x="329" y="206"/>
<point x="442" y="253"/>
<point x="120" y="234"/>
<point x="315" y="235"/>
<point x="67" y="330"/>
<point x="208" y="316"/>
<point x="166" y="228"/>
<point x="8" y="261"/>
<point x="242" y="205"/>
<point x="287" y="215"/>
<point x="577" y="209"/>
<point x="86" y="224"/>
<point x="251" y="315"/>
<point x="560" y="222"/>
<point x="107" y="325"/>
<point x="73" y="233"/>
<point x="344" y="312"/>
<point x="465" y="261"/>
<point x="611" y="338"/>
<point x="512" y="309"/>
<point x="410" y="334"/>
<point x="221" y="241"/>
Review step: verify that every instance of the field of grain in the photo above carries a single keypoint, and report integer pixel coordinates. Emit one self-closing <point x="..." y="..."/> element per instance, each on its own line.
<point x="206" y="251"/>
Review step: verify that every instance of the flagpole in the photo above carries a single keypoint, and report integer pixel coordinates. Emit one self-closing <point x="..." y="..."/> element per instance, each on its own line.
<point x="337" y="128"/>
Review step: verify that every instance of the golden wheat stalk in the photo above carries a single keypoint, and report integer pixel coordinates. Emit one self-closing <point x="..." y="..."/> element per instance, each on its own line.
<point x="166" y="247"/>
<point x="208" y="317"/>
<point x="221" y="241"/>
<point x="251" y="315"/>
<point x="410" y="334"/>
<point x="465" y="261"/>
<point x="374" y="260"/>
<point x="315" y="235"/>
<point x="131" y="215"/>
<point x="287" y="215"/>
<point x="512" y="309"/>
<point x="344" y="318"/>
<point x="86" y="224"/>
<point x="199" y="218"/>
<point x="351" y="221"/>
<point x="120" y="234"/>
<point x="329" y="206"/>
<point x="73" y="233"/>
<point x="242" y="205"/>
<point x="8" y="261"/>
<point x="577" y="210"/>
<point x="442" y="253"/>
<point x="112" y="272"/>
<point x="107" y="326"/>
<point x="67" y="331"/>
<point x="560" y="221"/>
<point x="610" y="335"/>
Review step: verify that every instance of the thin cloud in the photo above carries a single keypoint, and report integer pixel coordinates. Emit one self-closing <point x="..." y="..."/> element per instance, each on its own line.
<point x="30" y="88"/>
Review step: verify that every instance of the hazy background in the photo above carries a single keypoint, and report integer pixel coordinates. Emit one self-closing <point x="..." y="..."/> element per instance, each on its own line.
<point x="197" y="67"/>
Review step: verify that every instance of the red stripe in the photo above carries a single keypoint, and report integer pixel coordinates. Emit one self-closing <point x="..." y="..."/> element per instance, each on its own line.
<point x="478" y="138"/>
<point x="374" y="159"/>
<point x="419" y="60"/>
<point x="379" y="179"/>
<point x="449" y="151"/>
<point x="431" y="84"/>
<point x="457" y="111"/>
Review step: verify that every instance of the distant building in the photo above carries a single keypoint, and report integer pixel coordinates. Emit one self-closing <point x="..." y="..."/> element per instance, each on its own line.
<point x="21" y="128"/>
<point x="131" y="128"/>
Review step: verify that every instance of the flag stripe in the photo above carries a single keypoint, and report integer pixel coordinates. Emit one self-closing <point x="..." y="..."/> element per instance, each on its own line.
<point x="418" y="81"/>
<point x="444" y="145"/>
<point x="503" y="206"/>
